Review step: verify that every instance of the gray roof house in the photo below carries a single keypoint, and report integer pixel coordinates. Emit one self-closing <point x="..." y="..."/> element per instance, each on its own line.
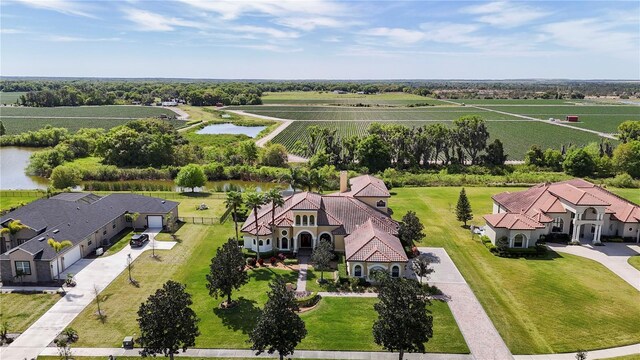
<point x="87" y="220"/>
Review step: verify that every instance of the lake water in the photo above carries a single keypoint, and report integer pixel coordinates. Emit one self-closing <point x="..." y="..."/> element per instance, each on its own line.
<point x="251" y="131"/>
<point x="13" y="161"/>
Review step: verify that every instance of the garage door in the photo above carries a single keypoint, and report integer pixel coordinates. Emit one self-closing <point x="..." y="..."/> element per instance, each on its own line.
<point x="70" y="257"/>
<point x="154" y="222"/>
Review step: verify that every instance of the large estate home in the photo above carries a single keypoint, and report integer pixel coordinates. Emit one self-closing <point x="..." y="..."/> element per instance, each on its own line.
<point x="355" y="221"/>
<point x="87" y="220"/>
<point x="577" y="208"/>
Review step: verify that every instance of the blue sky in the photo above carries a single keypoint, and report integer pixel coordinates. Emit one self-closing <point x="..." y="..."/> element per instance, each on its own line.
<point x="321" y="39"/>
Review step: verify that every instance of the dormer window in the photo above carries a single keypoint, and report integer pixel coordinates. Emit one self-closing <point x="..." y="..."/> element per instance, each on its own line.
<point x="381" y="203"/>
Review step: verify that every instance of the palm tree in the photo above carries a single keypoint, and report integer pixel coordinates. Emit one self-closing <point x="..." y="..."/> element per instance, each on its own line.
<point x="255" y="200"/>
<point x="275" y="198"/>
<point x="295" y="178"/>
<point x="57" y="247"/>
<point x="233" y="202"/>
<point x="317" y="180"/>
<point x="13" y="227"/>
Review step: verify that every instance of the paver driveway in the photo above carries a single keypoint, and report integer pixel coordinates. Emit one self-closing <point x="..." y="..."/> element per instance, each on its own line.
<point x="98" y="272"/>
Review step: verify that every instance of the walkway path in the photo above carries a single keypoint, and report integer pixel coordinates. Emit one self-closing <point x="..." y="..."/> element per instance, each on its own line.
<point x="182" y="115"/>
<point x="302" y="273"/>
<point x="614" y="256"/>
<point x="481" y="336"/>
<point x="92" y="273"/>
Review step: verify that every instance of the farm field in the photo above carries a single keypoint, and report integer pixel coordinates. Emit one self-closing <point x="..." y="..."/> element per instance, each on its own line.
<point x="10" y="97"/>
<point x="22" y="119"/>
<point x="516" y="136"/>
<point x="315" y="97"/>
<point x="518" y="101"/>
<point x="605" y="118"/>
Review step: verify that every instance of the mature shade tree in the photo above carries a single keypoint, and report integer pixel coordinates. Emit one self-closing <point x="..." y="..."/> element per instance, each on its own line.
<point x="279" y="328"/>
<point x="629" y="131"/>
<point x="404" y="323"/>
<point x="374" y="153"/>
<point x="410" y="230"/>
<point x="579" y="162"/>
<point x="191" y="176"/>
<point x="495" y="155"/>
<point x="626" y="158"/>
<point x="421" y="266"/>
<point x="274" y="197"/>
<point x="233" y="202"/>
<point x="255" y="200"/>
<point x="226" y="271"/>
<point x="249" y="151"/>
<point x="321" y="257"/>
<point x="553" y="159"/>
<point x="58" y="246"/>
<point x="167" y="322"/>
<point x="463" y="208"/>
<point x="63" y="177"/>
<point x="534" y="156"/>
<point x="471" y="134"/>
<point x="274" y="155"/>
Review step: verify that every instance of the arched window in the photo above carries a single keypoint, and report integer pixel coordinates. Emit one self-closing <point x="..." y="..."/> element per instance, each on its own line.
<point x="381" y="203"/>
<point x="357" y="271"/>
<point x="285" y="243"/>
<point x="268" y="241"/>
<point x="297" y="219"/>
<point x="557" y="225"/>
<point x="254" y="241"/>
<point x="312" y="220"/>
<point x="519" y="240"/>
<point x="260" y="242"/>
<point x="305" y="221"/>
<point x="395" y="271"/>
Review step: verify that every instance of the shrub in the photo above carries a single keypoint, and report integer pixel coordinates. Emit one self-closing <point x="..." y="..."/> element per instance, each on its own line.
<point x="309" y="300"/>
<point x="273" y="260"/>
<point x="291" y="261"/>
<point x="261" y="261"/>
<point x="282" y="257"/>
<point x="557" y="238"/>
<point x="251" y="261"/>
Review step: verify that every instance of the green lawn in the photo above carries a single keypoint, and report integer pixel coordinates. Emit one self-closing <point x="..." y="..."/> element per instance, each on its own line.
<point x="22" y="310"/>
<point x="635" y="261"/>
<point x="119" y="242"/>
<point x="538" y="306"/>
<point x="13" y="198"/>
<point x="632" y="195"/>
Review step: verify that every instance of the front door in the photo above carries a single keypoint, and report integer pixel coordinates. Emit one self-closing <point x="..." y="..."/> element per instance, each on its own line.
<point x="305" y="240"/>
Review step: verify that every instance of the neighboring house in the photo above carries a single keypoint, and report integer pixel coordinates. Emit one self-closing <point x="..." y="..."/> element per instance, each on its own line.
<point x="355" y="221"/>
<point x="87" y="220"/>
<point x="578" y="208"/>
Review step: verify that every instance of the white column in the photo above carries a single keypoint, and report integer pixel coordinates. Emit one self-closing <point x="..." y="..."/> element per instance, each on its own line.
<point x="295" y="243"/>
<point x="576" y="235"/>
<point x="596" y="239"/>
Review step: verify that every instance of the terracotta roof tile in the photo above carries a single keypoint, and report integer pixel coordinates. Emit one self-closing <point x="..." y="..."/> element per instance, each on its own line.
<point x="512" y="221"/>
<point x="371" y="243"/>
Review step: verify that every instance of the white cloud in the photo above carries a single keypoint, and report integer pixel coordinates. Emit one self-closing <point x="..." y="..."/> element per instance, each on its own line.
<point x="63" y="38"/>
<point x="61" y="6"/>
<point x="395" y="35"/>
<point x="310" y="23"/>
<point x="233" y="9"/>
<point x="261" y="31"/>
<point x="505" y="14"/>
<point x="12" y="31"/>
<point x="595" y="35"/>
<point x="149" y="21"/>
<point x="269" y="47"/>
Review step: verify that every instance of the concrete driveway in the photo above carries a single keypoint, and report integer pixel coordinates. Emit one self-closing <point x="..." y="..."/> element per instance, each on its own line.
<point x="89" y="274"/>
<point x="614" y="256"/>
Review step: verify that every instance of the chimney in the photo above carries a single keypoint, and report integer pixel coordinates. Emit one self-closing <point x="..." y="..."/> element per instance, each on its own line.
<point x="344" y="181"/>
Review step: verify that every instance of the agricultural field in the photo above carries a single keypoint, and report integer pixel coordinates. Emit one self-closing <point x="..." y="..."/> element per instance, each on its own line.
<point x="315" y="98"/>
<point x="517" y="101"/>
<point x="21" y="119"/>
<point x="605" y="118"/>
<point x="10" y="97"/>
<point x="517" y="136"/>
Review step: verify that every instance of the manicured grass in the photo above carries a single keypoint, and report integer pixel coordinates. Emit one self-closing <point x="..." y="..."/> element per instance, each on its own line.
<point x="22" y="310"/>
<point x="635" y="261"/>
<point x="632" y="195"/>
<point x="346" y="323"/>
<point x="189" y="203"/>
<point x="328" y="97"/>
<point x="13" y="198"/>
<point x="538" y="305"/>
<point x="312" y="281"/>
<point x="119" y="242"/>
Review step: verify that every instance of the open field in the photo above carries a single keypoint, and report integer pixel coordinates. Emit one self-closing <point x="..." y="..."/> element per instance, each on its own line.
<point x="538" y="305"/>
<point x="22" y="310"/>
<point x="605" y="118"/>
<point x="22" y="119"/>
<point x="10" y="97"/>
<point x="315" y="97"/>
<point x="516" y="136"/>
<point x="517" y="101"/>
<point x="12" y="198"/>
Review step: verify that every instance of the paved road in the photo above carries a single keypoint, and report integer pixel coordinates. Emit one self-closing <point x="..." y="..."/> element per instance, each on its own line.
<point x="98" y="272"/>
<point x="614" y="256"/>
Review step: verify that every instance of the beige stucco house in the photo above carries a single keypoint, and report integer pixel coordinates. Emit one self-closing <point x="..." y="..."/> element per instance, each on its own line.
<point x="578" y="208"/>
<point x="87" y="220"/>
<point x="355" y="221"/>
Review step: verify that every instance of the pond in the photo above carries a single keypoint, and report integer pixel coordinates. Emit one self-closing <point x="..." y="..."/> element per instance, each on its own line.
<point x="232" y="129"/>
<point x="13" y="161"/>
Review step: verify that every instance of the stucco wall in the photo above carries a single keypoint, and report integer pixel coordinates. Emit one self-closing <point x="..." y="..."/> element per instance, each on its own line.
<point x="368" y="266"/>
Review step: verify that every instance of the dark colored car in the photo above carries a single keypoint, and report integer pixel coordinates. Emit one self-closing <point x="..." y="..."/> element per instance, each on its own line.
<point x="138" y="240"/>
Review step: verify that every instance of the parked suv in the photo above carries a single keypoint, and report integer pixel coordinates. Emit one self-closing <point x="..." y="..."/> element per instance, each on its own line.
<point x="137" y="240"/>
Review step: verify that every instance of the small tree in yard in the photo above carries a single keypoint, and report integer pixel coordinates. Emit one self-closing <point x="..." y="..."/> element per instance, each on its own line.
<point x="167" y="323"/>
<point x="233" y="202"/>
<point x="420" y="266"/>
<point x="101" y="315"/>
<point x="132" y="217"/>
<point x="410" y="230"/>
<point x="321" y="257"/>
<point x="581" y="355"/>
<point x="279" y="328"/>
<point x="463" y="208"/>
<point x="403" y="323"/>
<point x="191" y="176"/>
<point x="63" y="177"/>
<point x="57" y="247"/>
<point x="226" y="271"/>
<point x="255" y="200"/>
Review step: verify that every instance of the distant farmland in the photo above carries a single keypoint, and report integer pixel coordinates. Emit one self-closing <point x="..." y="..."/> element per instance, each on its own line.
<point x="20" y="119"/>
<point x="327" y="97"/>
<point x="10" y="97"/>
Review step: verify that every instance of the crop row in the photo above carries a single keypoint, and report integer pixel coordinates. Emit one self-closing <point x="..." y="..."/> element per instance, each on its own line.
<point x="115" y="111"/>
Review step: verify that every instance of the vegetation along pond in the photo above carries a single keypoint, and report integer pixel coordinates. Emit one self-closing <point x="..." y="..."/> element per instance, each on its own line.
<point x="232" y="129"/>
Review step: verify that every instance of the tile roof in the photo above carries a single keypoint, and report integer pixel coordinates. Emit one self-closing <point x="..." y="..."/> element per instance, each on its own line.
<point x="371" y="243"/>
<point x="512" y="221"/>
<point x="366" y="186"/>
<point x="78" y="215"/>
